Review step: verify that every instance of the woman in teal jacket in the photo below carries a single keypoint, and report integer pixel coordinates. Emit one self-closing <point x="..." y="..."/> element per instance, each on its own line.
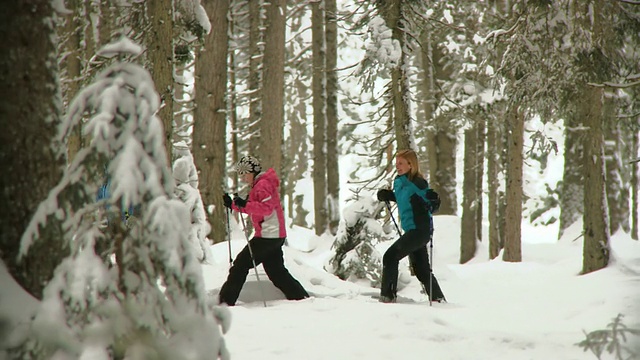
<point x="409" y="191"/>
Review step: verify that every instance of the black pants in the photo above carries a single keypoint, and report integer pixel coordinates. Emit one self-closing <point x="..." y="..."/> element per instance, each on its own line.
<point x="414" y="244"/>
<point x="267" y="252"/>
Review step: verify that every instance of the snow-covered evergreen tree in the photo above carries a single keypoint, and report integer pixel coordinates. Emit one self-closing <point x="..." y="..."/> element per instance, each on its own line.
<point x="150" y="303"/>
<point x="355" y="254"/>
<point x="186" y="177"/>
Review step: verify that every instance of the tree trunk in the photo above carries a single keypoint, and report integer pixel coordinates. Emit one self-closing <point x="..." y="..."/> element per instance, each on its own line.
<point x="442" y="141"/>
<point x="513" y="226"/>
<point x="209" y="135"/>
<point x="233" y="106"/>
<point x="595" y="254"/>
<point x="333" y="173"/>
<point x="107" y="20"/>
<point x="272" y="122"/>
<point x="296" y="158"/>
<point x="73" y="65"/>
<point x="493" y="161"/>
<point x="160" y="56"/>
<point x="399" y="89"/>
<point x="256" y="58"/>
<point x="30" y="97"/>
<point x="90" y="41"/>
<point x="468" y="233"/>
<point x="616" y="189"/>
<point x="319" y="120"/>
<point x="571" y="191"/>
<point x="297" y="154"/>
<point x="179" y="115"/>
<point x="634" y="184"/>
<point x="480" y="147"/>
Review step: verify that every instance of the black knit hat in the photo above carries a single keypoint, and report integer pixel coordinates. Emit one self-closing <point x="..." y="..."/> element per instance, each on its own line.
<point x="248" y="164"/>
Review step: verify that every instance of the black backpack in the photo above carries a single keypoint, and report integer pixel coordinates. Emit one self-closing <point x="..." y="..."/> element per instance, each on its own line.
<point x="434" y="200"/>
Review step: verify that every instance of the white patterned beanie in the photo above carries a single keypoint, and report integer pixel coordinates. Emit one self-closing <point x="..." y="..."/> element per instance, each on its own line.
<point x="248" y="164"/>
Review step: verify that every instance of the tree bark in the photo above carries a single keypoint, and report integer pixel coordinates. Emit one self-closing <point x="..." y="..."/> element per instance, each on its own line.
<point x="73" y="67"/>
<point x="571" y="192"/>
<point x="319" y="120"/>
<point x="442" y="140"/>
<point x="391" y="12"/>
<point x="616" y="189"/>
<point x="333" y="173"/>
<point x="480" y="149"/>
<point x="160" y="55"/>
<point x="32" y="163"/>
<point x="107" y="21"/>
<point x="634" y="184"/>
<point x="595" y="253"/>
<point x="468" y="233"/>
<point x="272" y="122"/>
<point x="493" y="161"/>
<point x="256" y="58"/>
<point x="513" y="226"/>
<point x="209" y="125"/>
<point x="233" y="106"/>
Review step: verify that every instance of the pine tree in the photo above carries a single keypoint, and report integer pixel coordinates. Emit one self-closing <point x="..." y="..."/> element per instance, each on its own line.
<point x="150" y="302"/>
<point x="354" y="246"/>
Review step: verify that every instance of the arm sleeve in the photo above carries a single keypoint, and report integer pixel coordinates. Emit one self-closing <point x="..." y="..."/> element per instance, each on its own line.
<point x="261" y="205"/>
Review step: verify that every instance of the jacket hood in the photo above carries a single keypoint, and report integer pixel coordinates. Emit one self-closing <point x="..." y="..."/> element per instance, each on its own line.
<point x="270" y="177"/>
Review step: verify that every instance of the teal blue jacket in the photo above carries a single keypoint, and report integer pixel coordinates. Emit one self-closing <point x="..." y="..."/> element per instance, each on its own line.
<point x="412" y="203"/>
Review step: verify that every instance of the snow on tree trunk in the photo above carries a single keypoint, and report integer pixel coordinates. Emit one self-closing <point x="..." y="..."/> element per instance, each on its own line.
<point x="150" y="302"/>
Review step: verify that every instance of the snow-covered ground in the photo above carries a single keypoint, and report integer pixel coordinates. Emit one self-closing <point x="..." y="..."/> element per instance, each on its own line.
<point x="536" y="309"/>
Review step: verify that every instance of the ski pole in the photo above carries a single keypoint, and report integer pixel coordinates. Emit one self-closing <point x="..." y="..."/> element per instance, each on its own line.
<point x="253" y="260"/>
<point x="229" y="236"/>
<point x="392" y="218"/>
<point x="430" y="267"/>
<point x="410" y="262"/>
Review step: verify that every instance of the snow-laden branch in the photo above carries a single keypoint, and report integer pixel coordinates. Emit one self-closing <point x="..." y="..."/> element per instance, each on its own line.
<point x="614" y="85"/>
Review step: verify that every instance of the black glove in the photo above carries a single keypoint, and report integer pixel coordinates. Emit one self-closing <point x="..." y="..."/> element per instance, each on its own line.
<point x="386" y="195"/>
<point x="434" y="200"/>
<point x="227" y="200"/>
<point x="240" y="202"/>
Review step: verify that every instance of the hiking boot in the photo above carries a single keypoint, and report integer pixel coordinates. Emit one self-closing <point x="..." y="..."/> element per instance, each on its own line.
<point x="386" y="299"/>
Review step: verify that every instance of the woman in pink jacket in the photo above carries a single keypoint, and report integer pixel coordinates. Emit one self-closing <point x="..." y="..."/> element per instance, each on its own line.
<point x="264" y="207"/>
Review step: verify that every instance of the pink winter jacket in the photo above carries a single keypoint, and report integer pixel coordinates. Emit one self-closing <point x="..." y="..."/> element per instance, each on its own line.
<point x="264" y="207"/>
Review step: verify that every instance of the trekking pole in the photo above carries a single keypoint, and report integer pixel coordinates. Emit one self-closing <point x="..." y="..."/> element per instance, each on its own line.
<point x="430" y="267"/>
<point x="253" y="260"/>
<point x="229" y="236"/>
<point x="410" y="262"/>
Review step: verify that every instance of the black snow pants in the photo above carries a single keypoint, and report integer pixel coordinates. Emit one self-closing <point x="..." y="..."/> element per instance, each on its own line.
<point x="267" y="252"/>
<point x="412" y="243"/>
